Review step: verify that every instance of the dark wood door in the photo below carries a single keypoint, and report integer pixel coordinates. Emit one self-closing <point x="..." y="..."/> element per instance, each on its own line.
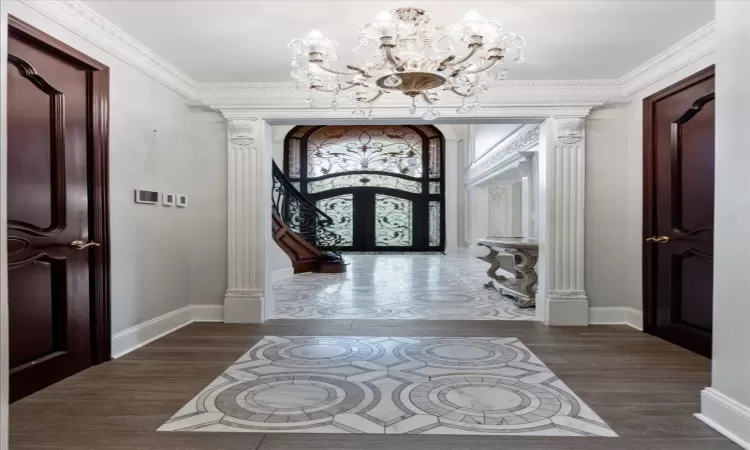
<point x="679" y="212"/>
<point x="56" y="231"/>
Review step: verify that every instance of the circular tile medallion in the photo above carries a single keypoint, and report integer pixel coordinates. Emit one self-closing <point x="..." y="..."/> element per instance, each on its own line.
<point x="317" y="351"/>
<point x="492" y="401"/>
<point x="299" y="398"/>
<point x="460" y="352"/>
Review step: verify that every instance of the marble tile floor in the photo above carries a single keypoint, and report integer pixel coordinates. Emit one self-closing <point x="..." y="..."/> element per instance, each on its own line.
<point x="397" y="286"/>
<point x="389" y="385"/>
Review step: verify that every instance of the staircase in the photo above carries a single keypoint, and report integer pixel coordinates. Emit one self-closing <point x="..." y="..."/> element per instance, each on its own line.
<point x="301" y="229"/>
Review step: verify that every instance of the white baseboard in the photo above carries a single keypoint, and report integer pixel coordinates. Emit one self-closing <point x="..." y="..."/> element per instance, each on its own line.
<point x="208" y="313"/>
<point x="137" y="336"/>
<point x="279" y="274"/>
<point x="616" y="315"/>
<point x="726" y="415"/>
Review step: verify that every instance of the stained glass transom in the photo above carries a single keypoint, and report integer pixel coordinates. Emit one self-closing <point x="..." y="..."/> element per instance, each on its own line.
<point x="434" y="187"/>
<point x="341" y="210"/>
<point x="434" y="224"/>
<point x="338" y="149"/>
<point x="393" y="221"/>
<point x="364" y="180"/>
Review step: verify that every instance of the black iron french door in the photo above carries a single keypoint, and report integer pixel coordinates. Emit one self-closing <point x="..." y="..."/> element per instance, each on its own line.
<point x="384" y="219"/>
<point x="382" y="186"/>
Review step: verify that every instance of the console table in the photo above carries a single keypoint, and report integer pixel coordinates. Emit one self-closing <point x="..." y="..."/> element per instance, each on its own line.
<point x="516" y="255"/>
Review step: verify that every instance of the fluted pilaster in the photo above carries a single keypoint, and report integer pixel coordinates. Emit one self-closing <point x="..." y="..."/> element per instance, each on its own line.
<point x="248" y="293"/>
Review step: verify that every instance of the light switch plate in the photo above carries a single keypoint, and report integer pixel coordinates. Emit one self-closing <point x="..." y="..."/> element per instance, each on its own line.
<point x="167" y="199"/>
<point x="143" y="196"/>
<point x="181" y="200"/>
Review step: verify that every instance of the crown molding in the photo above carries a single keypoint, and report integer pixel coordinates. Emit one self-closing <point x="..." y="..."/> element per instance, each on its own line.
<point x="82" y="20"/>
<point x="688" y="50"/>
<point x="506" y="155"/>
<point x="387" y="114"/>
<point x="509" y="94"/>
<point x="551" y="94"/>
<point x="518" y="96"/>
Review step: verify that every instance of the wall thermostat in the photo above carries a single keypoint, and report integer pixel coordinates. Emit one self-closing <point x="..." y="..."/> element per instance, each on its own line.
<point x="181" y="200"/>
<point x="167" y="199"/>
<point x="142" y="196"/>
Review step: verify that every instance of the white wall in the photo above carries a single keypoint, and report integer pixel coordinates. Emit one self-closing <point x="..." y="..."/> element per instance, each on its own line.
<point x="162" y="258"/>
<point x="614" y="196"/>
<point x="726" y="405"/>
<point x="607" y="220"/>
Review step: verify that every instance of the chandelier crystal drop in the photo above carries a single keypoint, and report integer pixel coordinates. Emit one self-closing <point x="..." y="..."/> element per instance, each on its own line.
<point x="411" y="57"/>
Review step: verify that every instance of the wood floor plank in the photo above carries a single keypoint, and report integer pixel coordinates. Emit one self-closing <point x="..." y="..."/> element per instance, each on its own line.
<point x="644" y="388"/>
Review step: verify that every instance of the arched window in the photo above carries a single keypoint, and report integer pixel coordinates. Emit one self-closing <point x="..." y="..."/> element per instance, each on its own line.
<point x="382" y="185"/>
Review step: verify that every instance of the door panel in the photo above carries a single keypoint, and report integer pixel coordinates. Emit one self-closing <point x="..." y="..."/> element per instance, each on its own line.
<point x="54" y="189"/>
<point x="679" y="205"/>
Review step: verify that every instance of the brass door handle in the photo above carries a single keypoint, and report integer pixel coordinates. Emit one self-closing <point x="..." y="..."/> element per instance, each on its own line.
<point x="659" y="239"/>
<point x="80" y="245"/>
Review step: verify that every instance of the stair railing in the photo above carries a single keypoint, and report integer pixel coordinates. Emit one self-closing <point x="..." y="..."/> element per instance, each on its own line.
<point x="302" y="216"/>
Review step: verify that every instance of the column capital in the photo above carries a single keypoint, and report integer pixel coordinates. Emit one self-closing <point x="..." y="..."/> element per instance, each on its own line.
<point x="242" y="132"/>
<point x="570" y="129"/>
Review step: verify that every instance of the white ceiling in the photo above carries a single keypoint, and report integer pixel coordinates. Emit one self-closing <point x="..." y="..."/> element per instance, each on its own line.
<point x="217" y="40"/>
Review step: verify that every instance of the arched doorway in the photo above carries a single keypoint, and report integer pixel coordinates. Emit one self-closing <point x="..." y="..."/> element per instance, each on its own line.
<point x="382" y="184"/>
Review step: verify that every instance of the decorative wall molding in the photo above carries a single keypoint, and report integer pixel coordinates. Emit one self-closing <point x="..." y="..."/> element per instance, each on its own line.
<point x="506" y="155"/>
<point x="526" y="95"/>
<point x="85" y="22"/>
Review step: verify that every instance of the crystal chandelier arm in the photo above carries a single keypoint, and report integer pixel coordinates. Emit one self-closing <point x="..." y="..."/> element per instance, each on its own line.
<point x="354" y="70"/>
<point x="394" y="60"/>
<point x="493" y="63"/>
<point x="451" y="60"/>
<point x="457" y="92"/>
<point x="377" y="96"/>
<point x="427" y="99"/>
<point x="320" y="88"/>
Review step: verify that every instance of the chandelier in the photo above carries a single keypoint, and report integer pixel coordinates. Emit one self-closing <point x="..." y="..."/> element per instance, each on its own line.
<point x="413" y="58"/>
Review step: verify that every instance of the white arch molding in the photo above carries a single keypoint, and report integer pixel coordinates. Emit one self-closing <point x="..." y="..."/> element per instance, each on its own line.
<point x="561" y="299"/>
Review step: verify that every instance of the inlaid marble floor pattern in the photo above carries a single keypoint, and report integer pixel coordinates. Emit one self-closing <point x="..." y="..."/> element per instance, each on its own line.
<point x="389" y="385"/>
<point x="397" y="286"/>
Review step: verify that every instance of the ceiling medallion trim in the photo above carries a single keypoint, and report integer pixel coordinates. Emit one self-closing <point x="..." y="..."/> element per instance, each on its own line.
<point x="267" y="96"/>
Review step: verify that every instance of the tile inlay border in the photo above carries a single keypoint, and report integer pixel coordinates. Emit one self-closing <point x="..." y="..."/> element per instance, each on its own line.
<point x="389" y="385"/>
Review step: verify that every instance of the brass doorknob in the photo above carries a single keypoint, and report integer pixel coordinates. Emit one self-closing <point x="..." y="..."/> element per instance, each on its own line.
<point x="80" y="245"/>
<point x="659" y="239"/>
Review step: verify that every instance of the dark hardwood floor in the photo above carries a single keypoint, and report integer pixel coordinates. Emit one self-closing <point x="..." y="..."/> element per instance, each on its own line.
<point x="646" y="389"/>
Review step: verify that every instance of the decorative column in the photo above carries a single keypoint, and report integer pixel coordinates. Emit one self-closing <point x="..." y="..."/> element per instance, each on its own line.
<point x="451" y="195"/>
<point x="249" y="297"/>
<point x="562" y="178"/>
